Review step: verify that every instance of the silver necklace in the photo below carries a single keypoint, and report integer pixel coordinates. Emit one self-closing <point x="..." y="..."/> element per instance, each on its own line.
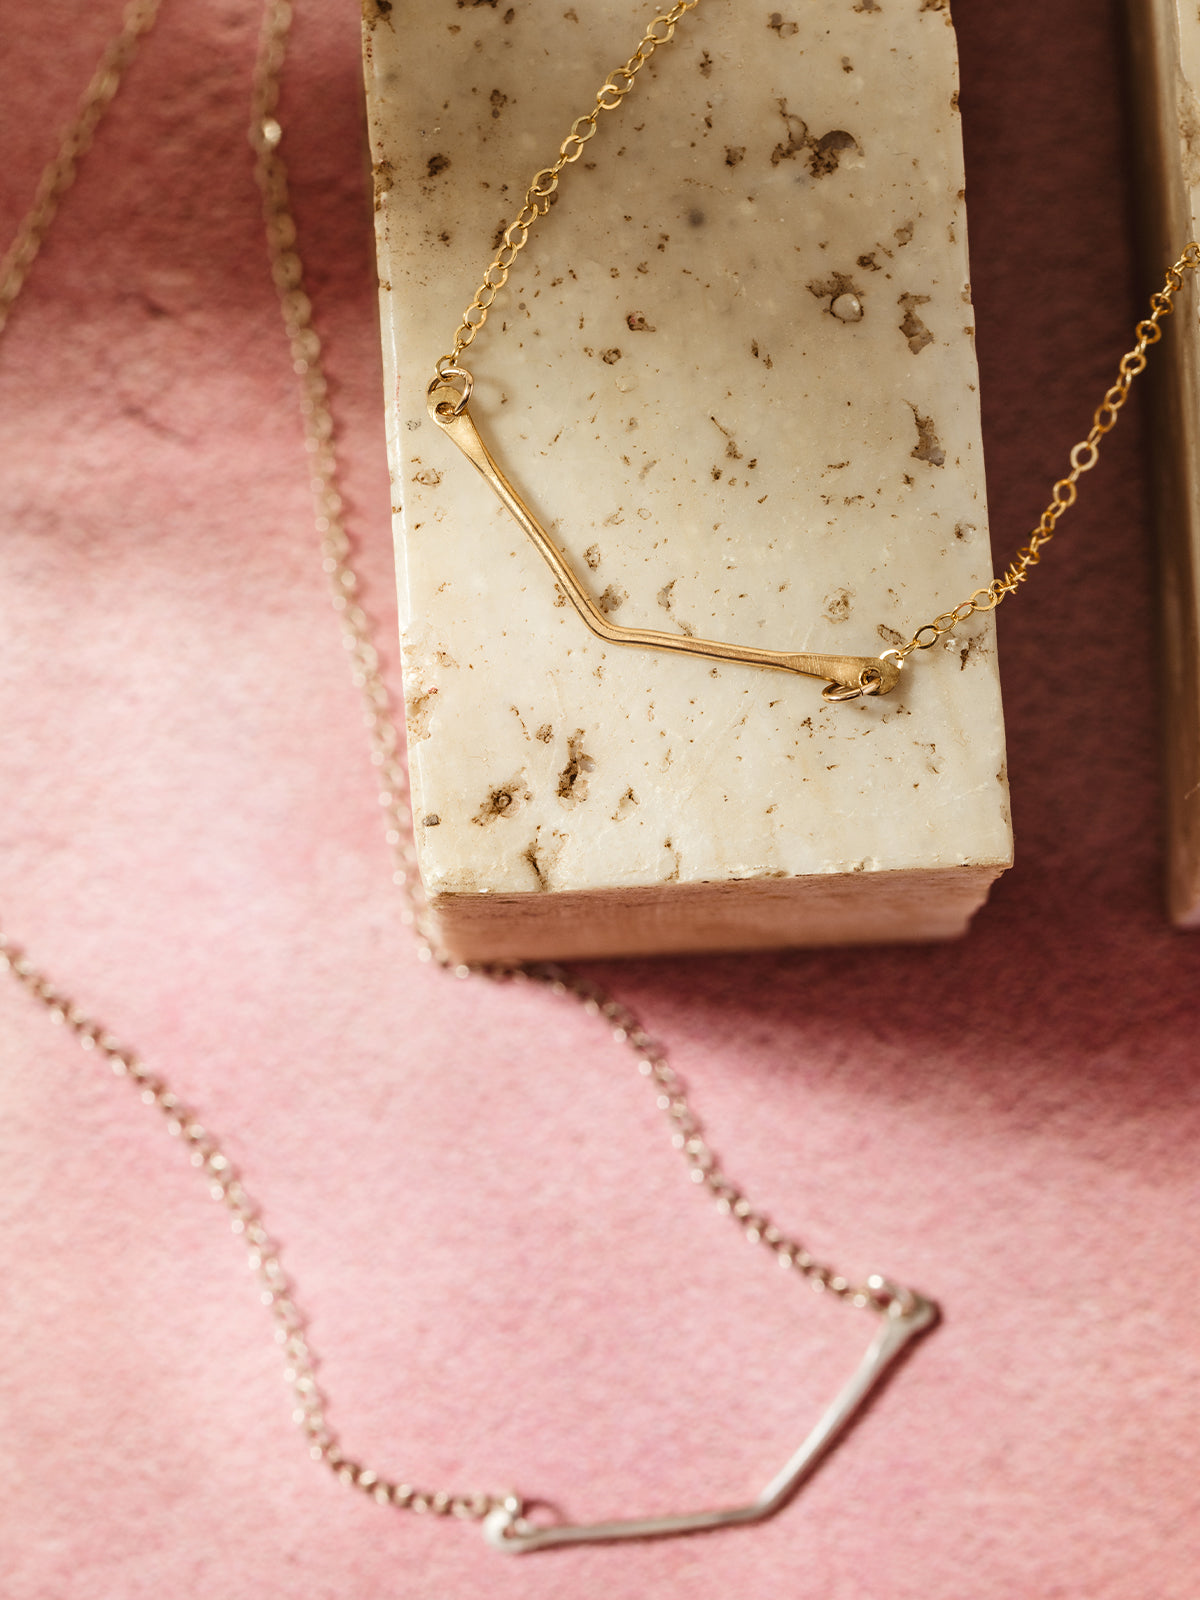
<point x="900" y="1315"/>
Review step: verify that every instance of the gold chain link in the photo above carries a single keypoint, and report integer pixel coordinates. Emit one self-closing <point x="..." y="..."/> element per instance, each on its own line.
<point x="543" y="184"/>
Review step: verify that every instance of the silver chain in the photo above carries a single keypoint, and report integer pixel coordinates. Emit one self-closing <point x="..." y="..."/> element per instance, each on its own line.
<point x="204" y="1149"/>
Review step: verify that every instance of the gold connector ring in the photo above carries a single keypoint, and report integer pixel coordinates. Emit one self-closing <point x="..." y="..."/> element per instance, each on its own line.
<point x="456" y="381"/>
<point x="870" y="681"/>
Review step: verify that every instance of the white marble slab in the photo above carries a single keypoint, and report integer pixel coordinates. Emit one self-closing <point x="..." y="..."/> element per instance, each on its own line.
<point x="734" y="374"/>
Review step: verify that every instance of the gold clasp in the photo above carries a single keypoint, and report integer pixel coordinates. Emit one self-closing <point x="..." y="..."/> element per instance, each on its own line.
<point x="879" y="676"/>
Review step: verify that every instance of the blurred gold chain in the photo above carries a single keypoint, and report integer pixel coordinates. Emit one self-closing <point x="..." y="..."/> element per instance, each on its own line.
<point x="59" y="174"/>
<point x="1082" y="458"/>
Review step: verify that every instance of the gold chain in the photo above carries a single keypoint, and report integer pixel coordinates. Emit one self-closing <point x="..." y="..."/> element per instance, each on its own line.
<point x="1082" y="459"/>
<point x="543" y="184"/>
<point x="454" y="379"/>
<point x="205" y="1151"/>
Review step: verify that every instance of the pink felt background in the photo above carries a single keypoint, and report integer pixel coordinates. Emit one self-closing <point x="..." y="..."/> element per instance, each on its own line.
<point x="510" y="1280"/>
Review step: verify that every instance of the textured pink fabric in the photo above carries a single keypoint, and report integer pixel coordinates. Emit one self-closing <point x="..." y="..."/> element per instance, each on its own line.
<point x="509" y="1278"/>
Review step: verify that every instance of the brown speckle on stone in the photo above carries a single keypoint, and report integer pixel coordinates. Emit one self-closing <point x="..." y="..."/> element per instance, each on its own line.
<point x="927" y="448"/>
<point x="418" y="712"/>
<point x="573" y="779"/>
<point x="827" y="151"/>
<point x="731" y="446"/>
<point x="627" y="803"/>
<point x="530" y="854"/>
<point x="824" y="152"/>
<point x="911" y="326"/>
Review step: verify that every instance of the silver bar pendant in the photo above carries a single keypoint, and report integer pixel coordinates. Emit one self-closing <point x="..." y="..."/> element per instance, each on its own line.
<point x="908" y="1316"/>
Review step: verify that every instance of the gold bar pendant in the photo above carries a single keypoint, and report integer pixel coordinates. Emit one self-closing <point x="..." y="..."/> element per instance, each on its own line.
<point x="846" y="677"/>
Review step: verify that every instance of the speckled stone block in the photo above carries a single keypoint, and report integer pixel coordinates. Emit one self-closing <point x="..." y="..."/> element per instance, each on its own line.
<point x="1166" y="37"/>
<point x="733" y="374"/>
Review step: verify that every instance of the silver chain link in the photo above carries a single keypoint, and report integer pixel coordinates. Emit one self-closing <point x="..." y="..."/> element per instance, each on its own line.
<point x="204" y="1149"/>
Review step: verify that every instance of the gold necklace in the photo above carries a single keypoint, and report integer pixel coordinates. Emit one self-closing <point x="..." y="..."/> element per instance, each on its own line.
<point x="900" y="1315"/>
<point x="847" y="677"/>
